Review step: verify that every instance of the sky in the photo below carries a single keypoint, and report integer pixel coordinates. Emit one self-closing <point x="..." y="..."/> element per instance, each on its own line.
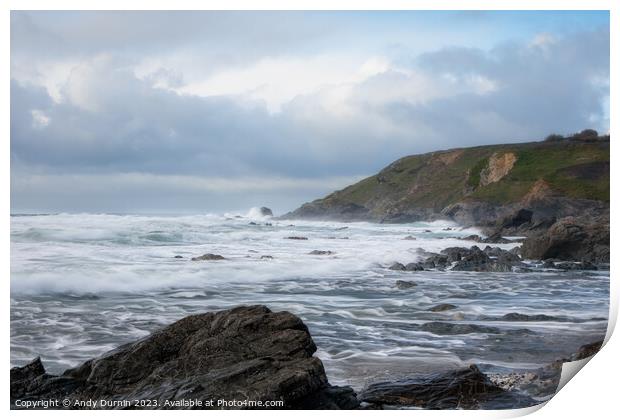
<point x="206" y="112"/>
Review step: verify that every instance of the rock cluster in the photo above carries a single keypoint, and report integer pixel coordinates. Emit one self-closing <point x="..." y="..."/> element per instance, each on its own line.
<point x="246" y="353"/>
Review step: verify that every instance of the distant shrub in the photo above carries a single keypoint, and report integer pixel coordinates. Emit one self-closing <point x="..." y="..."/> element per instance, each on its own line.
<point x="586" y="135"/>
<point x="554" y="137"/>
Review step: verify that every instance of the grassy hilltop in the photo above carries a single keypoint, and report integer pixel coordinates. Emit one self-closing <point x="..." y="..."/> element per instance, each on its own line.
<point x="576" y="168"/>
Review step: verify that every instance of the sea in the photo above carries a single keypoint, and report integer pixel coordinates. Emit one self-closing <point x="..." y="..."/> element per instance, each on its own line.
<point x="83" y="284"/>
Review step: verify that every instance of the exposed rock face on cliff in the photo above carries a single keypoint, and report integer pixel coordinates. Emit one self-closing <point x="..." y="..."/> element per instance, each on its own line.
<point x="479" y="186"/>
<point x="500" y="164"/>
<point x="243" y="354"/>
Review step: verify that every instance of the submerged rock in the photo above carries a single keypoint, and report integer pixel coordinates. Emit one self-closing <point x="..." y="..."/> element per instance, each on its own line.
<point x="514" y="316"/>
<point x="404" y="284"/>
<point x="447" y="328"/>
<point x="465" y="388"/>
<point x="209" y="257"/>
<point x="319" y="252"/>
<point x="246" y="353"/>
<point x="442" y="307"/>
<point x="298" y="238"/>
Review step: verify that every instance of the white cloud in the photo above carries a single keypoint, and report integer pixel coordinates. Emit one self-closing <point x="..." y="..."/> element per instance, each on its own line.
<point x="39" y="119"/>
<point x="278" y="80"/>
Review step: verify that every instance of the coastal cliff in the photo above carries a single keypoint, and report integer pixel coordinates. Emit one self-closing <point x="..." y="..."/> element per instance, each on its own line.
<point x="480" y="186"/>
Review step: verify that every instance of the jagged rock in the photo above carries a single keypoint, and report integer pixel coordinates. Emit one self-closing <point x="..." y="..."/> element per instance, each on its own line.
<point x="265" y="211"/>
<point x="435" y="261"/>
<point x="209" y="257"/>
<point x="405" y="284"/>
<point x="466" y="388"/>
<point x="414" y="267"/>
<point x="474" y="259"/>
<point x="572" y="239"/>
<point x="456" y="253"/>
<point x="245" y="353"/>
<point x="475" y="238"/>
<point x="397" y="266"/>
<point x="442" y="307"/>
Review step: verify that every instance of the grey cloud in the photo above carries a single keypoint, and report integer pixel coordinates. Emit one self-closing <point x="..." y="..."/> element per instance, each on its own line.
<point x="112" y="122"/>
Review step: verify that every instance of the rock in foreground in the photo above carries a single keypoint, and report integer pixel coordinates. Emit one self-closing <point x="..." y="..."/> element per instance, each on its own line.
<point x="465" y="388"/>
<point x="243" y="354"/>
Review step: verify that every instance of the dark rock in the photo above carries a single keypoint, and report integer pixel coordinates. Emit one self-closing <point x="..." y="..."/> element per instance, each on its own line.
<point x="465" y="388"/>
<point x="265" y="211"/>
<point x="178" y="256"/>
<point x="330" y="398"/>
<point x="209" y="257"/>
<point x="266" y="257"/>
<point x="318" y="252"/>
<point x="246" y="353"/>
<point x="404" y="284"/>
<point x="496" y="238"/>
<point x="397" y="266"/>
<point x="23" y="377"/>
<point x="514" y="316"/>
<point x="442" y="307"/>
<point x="410" y="238"/>
<point x="456" y="253"/>
<point x="575" y="266"/>
<point x="447" y="328"/>
<point x="518" y="218"/>
<point x="587" y="350"/>
<point x="474" y="259"/>
<point x="572" y="239"/>
<point x="414" y="267"/>
<point x="298" y="238"/>
<point x="252" y="224"/>
<point x="435" y="261"/>
<point x="475" y="238"/>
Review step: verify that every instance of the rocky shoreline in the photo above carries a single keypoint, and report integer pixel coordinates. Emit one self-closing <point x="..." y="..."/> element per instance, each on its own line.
<point x="251" y="357"/>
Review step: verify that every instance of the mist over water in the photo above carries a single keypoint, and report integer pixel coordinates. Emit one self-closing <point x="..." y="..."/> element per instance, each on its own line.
<point x="85" y="283"/>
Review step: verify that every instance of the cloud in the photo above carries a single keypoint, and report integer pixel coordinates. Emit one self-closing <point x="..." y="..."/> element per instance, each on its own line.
<point x="228" y="109"/>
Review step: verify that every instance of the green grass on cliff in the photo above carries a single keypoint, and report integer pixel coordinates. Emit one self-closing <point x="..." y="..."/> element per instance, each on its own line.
<point x="434" y="180"/>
